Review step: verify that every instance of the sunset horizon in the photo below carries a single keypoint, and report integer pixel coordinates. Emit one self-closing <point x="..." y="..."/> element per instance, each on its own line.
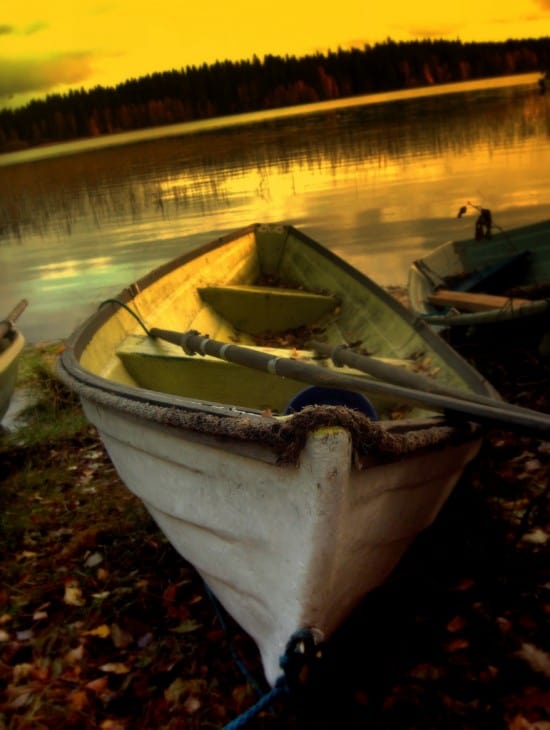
<point x="56" y="48"/>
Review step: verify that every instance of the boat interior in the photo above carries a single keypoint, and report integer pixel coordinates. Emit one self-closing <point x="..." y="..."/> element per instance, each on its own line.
<point x="252" y="291"/>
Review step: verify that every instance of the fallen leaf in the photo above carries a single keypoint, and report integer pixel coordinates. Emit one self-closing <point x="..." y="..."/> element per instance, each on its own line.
<point x="121" y="638"/>
<point x="537" y="659"/>
<point x="173" y="693"/>
<point x="21" y="700"/>
<point x="21" y="672"/>
<point x="186" y="627"/>
<point x="145" y="640"/>
<point x="456" y="624"/>
<point x="522" y="723"/>
<point x="191" y="705"/>
<point x="73" y="594"/>
<point x="93" y="560"/>
<point x="115" y="668"/>
<point x="75" y="655"/>
<point x="504" y="624"/>
<point x="425" y="671"/>
<point x="101" y="632"/>
<point x="535" y="537"/>
<point x="26" y="555"/>
<point x="457" y="645"/>
<point x="112" y="725"/>
<point x="98" y="686"/>
<point x="179" y="687"/>
<point x="24" y="635"/>
<point x="102" y="574"/>
<point x="78" y="700"/>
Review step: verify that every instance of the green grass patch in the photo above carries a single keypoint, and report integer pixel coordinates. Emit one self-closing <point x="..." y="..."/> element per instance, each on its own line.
<point x="53" y="412"/>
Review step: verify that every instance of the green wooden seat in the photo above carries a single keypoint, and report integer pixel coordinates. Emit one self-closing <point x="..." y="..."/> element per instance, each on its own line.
<point x="158" y="365"/>
<point x="258" y="309"/>
<point x="162" y="366"/>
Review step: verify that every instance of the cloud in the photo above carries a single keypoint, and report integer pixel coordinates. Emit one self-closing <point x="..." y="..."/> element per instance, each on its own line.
<point x="35" y="28"/>
<point x="434" y="31"/>
<point x="43" y="75"/>
<point x="14" y="30"/>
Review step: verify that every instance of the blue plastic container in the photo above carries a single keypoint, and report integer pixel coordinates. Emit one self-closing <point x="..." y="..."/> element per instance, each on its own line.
<point x="315" y="396"/>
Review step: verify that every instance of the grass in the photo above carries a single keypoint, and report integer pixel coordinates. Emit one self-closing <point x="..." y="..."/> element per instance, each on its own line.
<point x="53" y="412"/>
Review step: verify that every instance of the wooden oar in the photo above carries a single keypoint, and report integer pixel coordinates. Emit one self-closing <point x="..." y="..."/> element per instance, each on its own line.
<point x="7" y="324"/>
<point x="342" y="355"/>
<point x="193" y="342"/>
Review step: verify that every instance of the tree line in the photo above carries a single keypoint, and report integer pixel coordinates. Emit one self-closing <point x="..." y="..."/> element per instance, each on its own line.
<point x="227" y="87"/>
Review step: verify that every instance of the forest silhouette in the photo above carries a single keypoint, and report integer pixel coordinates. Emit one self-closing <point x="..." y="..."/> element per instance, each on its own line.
<point x="226" y="88"/>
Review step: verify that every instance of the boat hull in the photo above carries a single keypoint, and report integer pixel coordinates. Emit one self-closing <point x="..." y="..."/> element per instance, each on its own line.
<point x="518" y="259"/>
<point x="290" y="517"/>
<point x="9" y="360"/>
<point x="282" y="546"/>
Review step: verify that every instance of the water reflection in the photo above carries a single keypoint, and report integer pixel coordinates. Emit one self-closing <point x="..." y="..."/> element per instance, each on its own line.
<point x="377" y="183"/>
<point x="371" y="145"/>
<point x="70" y="269"/>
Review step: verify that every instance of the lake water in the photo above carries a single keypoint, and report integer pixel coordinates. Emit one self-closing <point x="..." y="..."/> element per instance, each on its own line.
<point x="379" y="180"/>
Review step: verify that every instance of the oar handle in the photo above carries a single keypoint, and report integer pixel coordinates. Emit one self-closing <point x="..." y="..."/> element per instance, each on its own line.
<point x="7" y="324"/>
<point x="343" y="355"/>
<point x="193" y="343"/>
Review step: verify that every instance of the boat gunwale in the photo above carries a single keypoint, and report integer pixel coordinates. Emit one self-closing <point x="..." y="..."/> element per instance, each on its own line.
<point x="80" y="338"/>
<point x="430" y="314"/>
<point x="173" y="409"/>
<point x="9" y="366"/>
<point x="493" y="316"/>
<point x="16" y="342"/>
<point x="283" y="435"/>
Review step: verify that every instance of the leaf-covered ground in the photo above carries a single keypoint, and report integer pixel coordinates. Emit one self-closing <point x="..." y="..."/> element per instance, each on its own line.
<point x="103" y="625"/>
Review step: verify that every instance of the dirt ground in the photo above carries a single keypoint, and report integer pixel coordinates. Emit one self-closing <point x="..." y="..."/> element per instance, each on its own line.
<point x="103" y="625"/>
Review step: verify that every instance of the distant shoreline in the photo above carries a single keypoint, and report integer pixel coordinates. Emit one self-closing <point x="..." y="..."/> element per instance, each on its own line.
<point x="119" y="138"/>
<point x="227" y="89"/>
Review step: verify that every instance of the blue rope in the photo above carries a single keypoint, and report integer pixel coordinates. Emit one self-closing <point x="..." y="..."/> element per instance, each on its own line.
<point x="278" y="690"/>
<point x="301" y="650"/>
<point x="281" y="688"/>
<point x="236" y="658"/>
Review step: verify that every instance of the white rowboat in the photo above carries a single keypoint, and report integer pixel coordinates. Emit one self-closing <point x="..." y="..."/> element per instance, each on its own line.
<point x="289" y="517"/>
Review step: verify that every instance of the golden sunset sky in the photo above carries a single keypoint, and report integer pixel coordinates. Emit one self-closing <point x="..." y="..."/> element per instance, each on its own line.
<point x="52" y="46"/>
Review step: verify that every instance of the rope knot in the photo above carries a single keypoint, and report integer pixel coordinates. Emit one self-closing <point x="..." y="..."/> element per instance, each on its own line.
<point x="302" y="652"/>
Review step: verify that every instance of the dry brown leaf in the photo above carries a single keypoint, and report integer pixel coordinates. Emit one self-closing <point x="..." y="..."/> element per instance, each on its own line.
<point x="456" y="624"/>
<point x="536" y="537"/>
<point x="112" y="725"/>
<point x="73" y="594"/>
<point x="75" y="655"/>
<point x="538" y="660"/>
<point x="121" y="638"/>
<point x="21" y="672"/>
<point x="519" y="722"/>
<point x="101" y="632"/>
<point x="191" y="705"/>
<point x="78" y="700"/>
<point x="115" y="668"/>
<point x="98" y="686"/>
<point x="457" y="645"/>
